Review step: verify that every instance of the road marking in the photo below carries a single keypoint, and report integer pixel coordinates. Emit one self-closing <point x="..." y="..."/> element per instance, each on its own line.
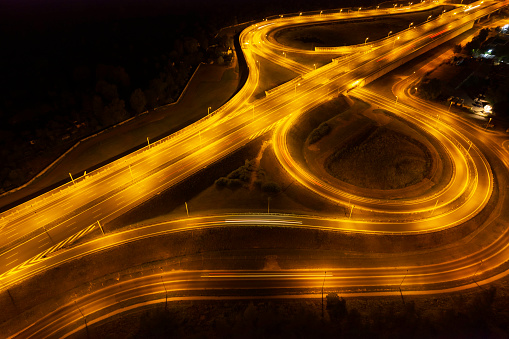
<point x="11" y="262"/>
<point x="12" y="255"/>
<point x="43" y="245"/>
<point x="12" y="235"/>
<point x="12" y="229"/>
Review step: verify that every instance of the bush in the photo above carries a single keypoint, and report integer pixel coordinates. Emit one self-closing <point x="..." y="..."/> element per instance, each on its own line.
<point x="431" y="89"/>
<point x="234" y="184"/>
<point x="222" y="182"/>
<point x="271" y="188"/>
<point x="319" y="132"/>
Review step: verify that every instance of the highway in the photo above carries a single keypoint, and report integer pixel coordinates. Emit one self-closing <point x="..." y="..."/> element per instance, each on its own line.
<point x="30" y="231"/>
<point x="39" y="224"/>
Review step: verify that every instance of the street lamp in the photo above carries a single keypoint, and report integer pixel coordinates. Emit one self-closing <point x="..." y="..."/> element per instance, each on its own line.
<point x="315" y="66"/>
<point x="321" y="13"/>
<point x="208" y="110"/>
<point x="359" y="10"/>
<point x="394" y="43"/>
<point x="389" y="33"/>
<point x="428" y="18"/>
<point x="487" y="124"/>
<point x="410" y="24"/>
<point x="166" y="291"/>
<point x="366" y="40"/>
<point x="449" y="109"/>
<point x="324" y="275"/>
<point x="377" y="7"/>
<point x="298" y="84"/>
<point x="396" y="99"/>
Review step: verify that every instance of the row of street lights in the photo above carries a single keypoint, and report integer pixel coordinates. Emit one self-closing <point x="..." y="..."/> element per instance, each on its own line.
<point x="358" y="11"/>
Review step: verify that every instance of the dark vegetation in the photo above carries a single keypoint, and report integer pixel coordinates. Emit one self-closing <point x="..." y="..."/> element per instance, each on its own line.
<point x="322" y="130"/>
<point x="368" y="318"/>
<point x="72" y="68"/>
<point x="380" y="159"/>
<point x="64" y="84"/>
<point x="247" y="174"/>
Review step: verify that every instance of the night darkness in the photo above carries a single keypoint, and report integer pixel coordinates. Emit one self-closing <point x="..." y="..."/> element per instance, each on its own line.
<point x="70" y="68"/>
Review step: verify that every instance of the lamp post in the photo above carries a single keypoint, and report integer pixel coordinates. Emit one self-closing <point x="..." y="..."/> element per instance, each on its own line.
<point x="208" y="110"/>
<point x="358" y="12"/>
<point x="394" y="43"/>
<point x="295" y="90"/>
<point x="131" y="171"/>
<point x="50" y="238"/>
<point x="487" y="124"/>
<point x="314" y="65"/>
<point x="165" y="290"/>
<point x="449" y="109"/>
<point x="389" y="34"/>
<point x="410" y="24"/>
<point x="428" y="18"/>
<point x="434" y="207"/>
<point x="366" y="40"/>
<point x="396" y="99"/>
<point x="86" y="325"/>
<point x="324" y="275"/>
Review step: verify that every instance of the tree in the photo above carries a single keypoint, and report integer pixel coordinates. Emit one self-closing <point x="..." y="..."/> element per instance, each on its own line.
<point x="457" y="48"/>
<point x="483" y="34"/>
<point x="114" y="112"/>
<point x="336" y="307"/>
<point x="431" y="89"/>
<point x="138" y="101"/>
<point x="235" y="184"/>
<point x="271" y="188"/>
<point x="106" y="90"/>
<point x="222" y="182"/>
<point x="97" y="105"/>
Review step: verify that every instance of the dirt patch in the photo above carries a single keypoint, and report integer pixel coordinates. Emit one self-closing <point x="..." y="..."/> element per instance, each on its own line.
<point x="385" y="159"/>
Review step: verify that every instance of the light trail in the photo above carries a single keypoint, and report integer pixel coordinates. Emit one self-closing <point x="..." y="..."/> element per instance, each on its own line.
<point x="167" y="162"/>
